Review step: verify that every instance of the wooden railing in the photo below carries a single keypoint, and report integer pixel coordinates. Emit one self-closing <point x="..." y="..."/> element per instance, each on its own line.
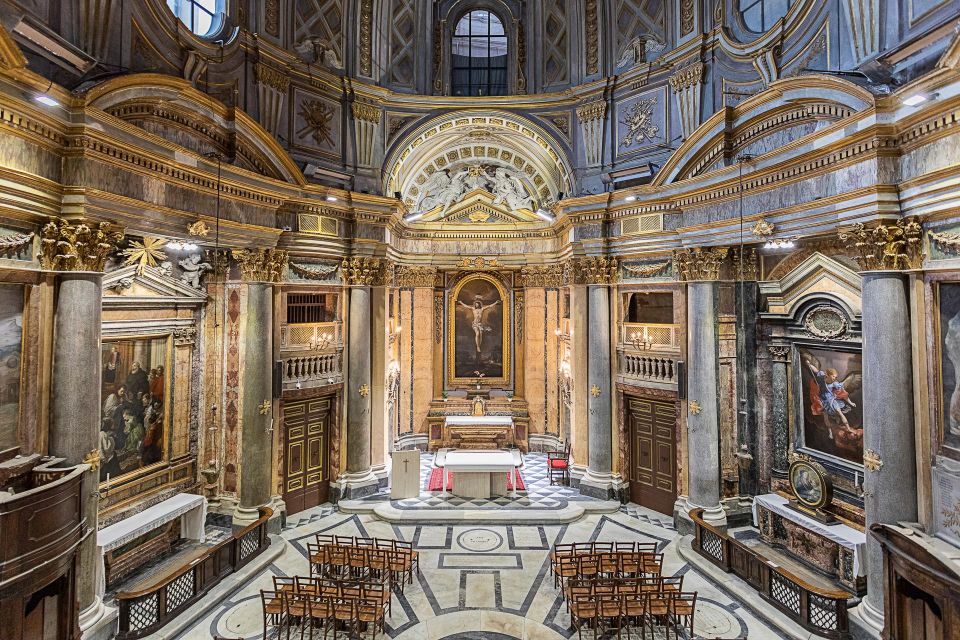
<point x="820" y="611"/>
<point x="145" y="611"/>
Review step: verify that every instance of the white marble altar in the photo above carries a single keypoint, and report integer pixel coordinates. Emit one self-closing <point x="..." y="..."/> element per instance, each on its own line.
<point x="480" y="473"/>
<point x="190" y="508"/>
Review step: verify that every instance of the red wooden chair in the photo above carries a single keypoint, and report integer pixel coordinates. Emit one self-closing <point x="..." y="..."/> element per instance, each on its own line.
<point x="558" y="464"/>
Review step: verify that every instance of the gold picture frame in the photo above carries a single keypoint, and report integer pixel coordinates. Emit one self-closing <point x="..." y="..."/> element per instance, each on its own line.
<point x="948" y="443"/>
<point x="462" y="327"/>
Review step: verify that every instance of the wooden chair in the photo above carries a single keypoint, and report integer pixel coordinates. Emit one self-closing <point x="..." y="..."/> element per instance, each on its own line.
<point x="337" y="560"/>
<point x="558" y="464"/>
<point x="380" y="594"/>
<point x="273" y="611"/>
<point x="585" y="610"/>
<point x="566" y="569"/>
<point x="324" y="539"/>
<point x="296" y="608"/>
<point x="611" y="614"/>
<point x="403" y="545"/>
<point x="400" y="563"/>
<point x="672" y="583"/>
<point x="609" y="564"/>
<point x="307" y="585"/>
<point x="588" y="566"/>
<point x="633" y="608"/>
<point x="345" y="616"/>
<point x="315" y="558"/>
<point x="371" y="613"/>
<point x="320" y="613"/>
<point x="344" y="541"/>
<point x="284" y="583"/>
<point x="682" y="607"/>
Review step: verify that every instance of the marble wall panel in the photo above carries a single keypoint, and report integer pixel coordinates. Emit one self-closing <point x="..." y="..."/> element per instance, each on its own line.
<point x="421" y="329"/>
<point x="534" y="317"/>
<point x="552" y="360"/>
<point x="407" y="362"/>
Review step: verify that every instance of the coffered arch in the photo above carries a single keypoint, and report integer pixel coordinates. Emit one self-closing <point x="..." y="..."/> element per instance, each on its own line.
<point x="495" y="139"/>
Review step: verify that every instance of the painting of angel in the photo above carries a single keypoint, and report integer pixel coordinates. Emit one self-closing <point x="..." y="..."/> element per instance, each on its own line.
<point x="832" y="402"/>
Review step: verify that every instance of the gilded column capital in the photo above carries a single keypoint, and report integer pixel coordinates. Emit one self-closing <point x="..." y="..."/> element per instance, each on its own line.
<point x="271" y="77"/>
<point x="366" y="112"/>
<point x="886" y="246"/>
<point x="261" y="265"/>
<point x="362" y="271"/>
<point x="689" y="76"/>
<point x="415" y="276"/>
<point x="77" y="246"/>
<point x="596" y="110"/>
<point x="546" y="275"/>
<point x="597" y="270"/>
<point x="699" y="263"/>
<point x="746" y="269"/>
<point x="779" y="352"/>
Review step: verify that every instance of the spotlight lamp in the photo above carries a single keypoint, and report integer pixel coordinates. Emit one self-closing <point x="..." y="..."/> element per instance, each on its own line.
<point x="918" y="98"/>
<point x="776" y="244"/>
<point x="180" y="245"/>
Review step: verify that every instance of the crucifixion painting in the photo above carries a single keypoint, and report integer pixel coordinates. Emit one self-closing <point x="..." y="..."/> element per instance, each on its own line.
<point x="479" y="329"/>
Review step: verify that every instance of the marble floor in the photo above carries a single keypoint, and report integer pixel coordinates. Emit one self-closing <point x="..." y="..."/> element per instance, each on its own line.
<point x="487" y="581"/>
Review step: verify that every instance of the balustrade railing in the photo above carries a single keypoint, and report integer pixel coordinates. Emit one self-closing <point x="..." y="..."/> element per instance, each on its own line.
<point x="649" y="368"/>
<point x="820" y="611"/>
<point x="323" y="367"/>
<point x="145" y="611"/>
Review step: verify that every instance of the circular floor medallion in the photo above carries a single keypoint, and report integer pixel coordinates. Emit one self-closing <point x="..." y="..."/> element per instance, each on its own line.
<point x="713" y="621"/>
<point x="480" y="540"/>
<point x="242" y="621"/>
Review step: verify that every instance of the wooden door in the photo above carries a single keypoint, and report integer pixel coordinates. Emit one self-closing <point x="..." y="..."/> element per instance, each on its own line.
<point x="306" y="426"/>
<point x="653" y="453"/>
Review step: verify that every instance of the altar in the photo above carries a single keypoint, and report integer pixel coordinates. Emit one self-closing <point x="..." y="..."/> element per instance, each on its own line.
<point x="836" y="550"/>
<point x="479" y="432"/>
<point x="480" y="474"/>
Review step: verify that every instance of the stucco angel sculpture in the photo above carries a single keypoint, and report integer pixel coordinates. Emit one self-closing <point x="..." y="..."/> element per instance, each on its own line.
<point x="193" y="269"/>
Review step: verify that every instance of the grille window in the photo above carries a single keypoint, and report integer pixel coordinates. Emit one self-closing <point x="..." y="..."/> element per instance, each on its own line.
<point x="311" y="308"/>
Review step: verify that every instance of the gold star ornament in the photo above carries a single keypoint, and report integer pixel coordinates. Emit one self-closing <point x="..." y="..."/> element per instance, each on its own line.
<point x="364" y="390"/>
<point x="147" y="253"/>
<point x="695" y="407"/>
<point x="595" y="391"/>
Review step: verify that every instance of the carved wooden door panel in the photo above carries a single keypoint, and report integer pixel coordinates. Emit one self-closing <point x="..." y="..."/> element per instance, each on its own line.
<point x="306" y="426"/>
<point x="653" y="453"/>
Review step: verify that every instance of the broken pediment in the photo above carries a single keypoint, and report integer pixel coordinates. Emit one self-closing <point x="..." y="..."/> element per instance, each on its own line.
<point x="153" y="287"/>
<point x="818" y="276"/>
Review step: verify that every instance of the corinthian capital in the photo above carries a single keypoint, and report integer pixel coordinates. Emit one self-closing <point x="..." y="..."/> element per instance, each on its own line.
<point x="887" y="245"/>
<point x="700" y="263"/>
<point x="362" y="271"/>
<point x="77" y="246"/>
<point x="597" y="270"/>
<point x="261" y="265"/>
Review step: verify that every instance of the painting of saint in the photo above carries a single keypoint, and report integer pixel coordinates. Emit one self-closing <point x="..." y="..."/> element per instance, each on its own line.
<point x="479" y="330"/>
<point x="133" y="420"/>
<point x="948" y="299"/>
<point x="11" y="337"/>
<point x="832" y="402"/>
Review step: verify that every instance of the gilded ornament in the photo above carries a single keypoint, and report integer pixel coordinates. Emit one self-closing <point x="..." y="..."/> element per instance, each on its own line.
<point x="747" y="268"/>
<point x="361" y="271"/>
<point x="438" y="317"/>
<point x="646" y="270"/>
<point x="687" y="17"/>
<point x="593" y="37"/>
<point x="264" y="407"/>
<point x="948" y="242"/>
<point x="695" y="407"/>
<point x="364" y="390"/>
<point x="595" y="391"/>
<point x="261" y="265"/>
<point x="65" y="246"/>
<point x="639" y="122"/>
<point x="825" y="322"/>
<point x="271" y="77"/>
<point x="780" y="352"/>
<point x="183" y="336"/>
<point x="314" y="271"/>
<point x="763" y="229"/>
<point x="198" y="229"/>
<point x="518" y="311"/>
<point x="886" y="246"/>
<point x="592" y="111"/>
<point x="146" y="253"/>
<point x="14" y="243"/>
<point x="550" y="275"/>
<point x="366" y="37"/>
<point x="93" y="459"/>
<point x="871" y="460"/>
<point x="597" y="270"/>
<point x="416" y="276"/>
<point x="478" y="263"/>
<point x="689" y="76"/>
<point x="366" y="112"/>
<point x="699" y="263"/>
<point x="317" y="115"/>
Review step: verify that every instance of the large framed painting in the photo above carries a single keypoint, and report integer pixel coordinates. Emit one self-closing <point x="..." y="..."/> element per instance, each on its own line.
<point x="135" y="391"/>
<point x="832" y="396"/>
<point x="11" y="354"/>
<point x="479" y="331"/>
<point x="947" y="318"/>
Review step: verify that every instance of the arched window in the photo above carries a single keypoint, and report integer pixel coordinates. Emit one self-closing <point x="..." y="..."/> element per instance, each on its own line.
<point x="479" y="55"/>
<point x="203" y="17"/>
<point x="760" y="15"/>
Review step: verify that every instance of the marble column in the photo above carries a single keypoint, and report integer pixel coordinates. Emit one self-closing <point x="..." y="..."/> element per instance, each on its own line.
<point x="75" y="411"/>
<point x="598" y="480"/>
<point x="359" y="479"/>
<point x="78" y="257"/>
<point x="780" y="425"/>
<point x="259" y="269"/>
<point x="889" y="453"/>
<point x="703" y="415"/>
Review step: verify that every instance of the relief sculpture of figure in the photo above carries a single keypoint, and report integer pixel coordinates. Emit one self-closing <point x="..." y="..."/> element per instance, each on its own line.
<point x="509" y="188"/>
<point x="193" y="268"/>
<point x="454" y="191"/>
<point x="478" y="309"/>
<point x="952" y="351"/>
<point x="427" y="198"/>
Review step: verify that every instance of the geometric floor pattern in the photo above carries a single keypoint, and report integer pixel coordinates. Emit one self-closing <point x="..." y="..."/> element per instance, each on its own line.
<point x="539" y="494"/>
<point x="481" y="581"/>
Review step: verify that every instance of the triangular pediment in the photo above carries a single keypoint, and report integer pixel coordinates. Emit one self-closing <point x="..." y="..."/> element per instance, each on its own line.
<point x="478" y="208"/>
<point x="817" y="276"/>
<point x="152" y="287"/>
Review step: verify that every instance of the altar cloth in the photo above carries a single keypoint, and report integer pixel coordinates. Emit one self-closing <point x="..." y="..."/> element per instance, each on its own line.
<point x="843" y="535"/>
<point x="192" y="509"/>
